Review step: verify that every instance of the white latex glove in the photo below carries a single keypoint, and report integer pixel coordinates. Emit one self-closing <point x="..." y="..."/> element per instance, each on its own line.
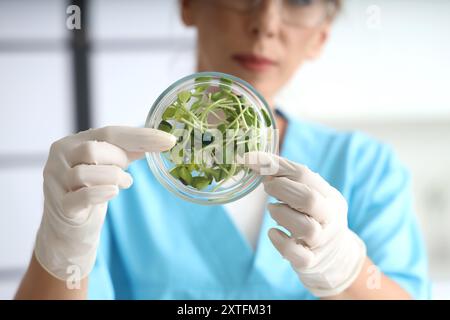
<point x="82" y="173"/>
<point x="324" y="252"/>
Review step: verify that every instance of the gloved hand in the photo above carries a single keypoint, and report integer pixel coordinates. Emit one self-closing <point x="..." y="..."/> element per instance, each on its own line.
<point x="324" y="252"/>
<point x="82" y="173"/>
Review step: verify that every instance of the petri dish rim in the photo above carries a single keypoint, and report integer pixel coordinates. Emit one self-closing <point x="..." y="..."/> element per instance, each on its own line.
<point x="155" y="161"/>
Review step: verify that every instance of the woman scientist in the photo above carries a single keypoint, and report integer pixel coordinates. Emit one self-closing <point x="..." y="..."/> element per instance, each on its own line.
<point x="343" y="199"/>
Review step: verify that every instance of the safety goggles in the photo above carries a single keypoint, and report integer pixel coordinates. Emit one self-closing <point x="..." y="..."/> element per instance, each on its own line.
<point x="299" y="13"/>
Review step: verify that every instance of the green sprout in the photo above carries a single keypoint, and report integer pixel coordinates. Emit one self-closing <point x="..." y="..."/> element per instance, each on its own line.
<point x="217" y="124"/>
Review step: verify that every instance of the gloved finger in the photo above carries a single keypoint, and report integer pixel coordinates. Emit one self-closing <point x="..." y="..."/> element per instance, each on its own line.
<point x="301" y="226"/>
<point x="134" y="139"/>
<point x="94" y="175"/>
<point x="300" y="197"/>
<point x="75" y="201"/>
<point x="98" y="152"/>
<point x="298" y="255"/>
<point x="265" y="163"/>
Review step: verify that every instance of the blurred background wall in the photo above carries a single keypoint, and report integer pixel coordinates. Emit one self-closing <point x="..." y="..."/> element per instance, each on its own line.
<point x="385" y="71"/>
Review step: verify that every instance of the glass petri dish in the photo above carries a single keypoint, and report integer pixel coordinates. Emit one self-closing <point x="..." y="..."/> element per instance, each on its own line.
<point x="216" y="117"/>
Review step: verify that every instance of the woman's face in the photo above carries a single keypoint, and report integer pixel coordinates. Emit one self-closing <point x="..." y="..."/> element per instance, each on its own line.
<point x="257" y="46"/>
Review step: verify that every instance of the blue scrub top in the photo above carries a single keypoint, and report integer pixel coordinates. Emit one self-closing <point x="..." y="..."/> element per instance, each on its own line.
<point x="154" y="245"/>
